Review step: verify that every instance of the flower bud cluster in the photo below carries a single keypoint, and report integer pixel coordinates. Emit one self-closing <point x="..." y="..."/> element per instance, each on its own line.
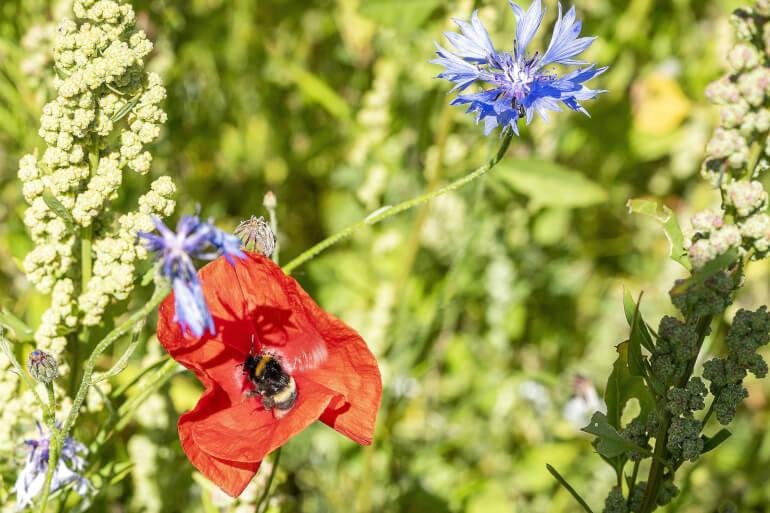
<point x="684" y="441"/>
<point x="749" y="332"/>
<point x="744" y="99"/>
<point x="702" y="298"/>
<point x="117" y="251"/>
<point x="105" y="112"/>
<point x="685" y="401"/>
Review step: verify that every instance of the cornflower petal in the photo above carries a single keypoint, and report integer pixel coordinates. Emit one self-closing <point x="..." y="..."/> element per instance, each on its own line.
<point x="565" y="43"/>
<point x="519" y="85"/>
<point x="527" y="23"/>
<point x="193" y="239"/>
<point x="474" y="44"/>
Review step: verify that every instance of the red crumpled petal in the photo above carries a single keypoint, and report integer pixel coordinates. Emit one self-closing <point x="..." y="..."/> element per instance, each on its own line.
<point x="230" y="476"/>
<point x="257" y="301"/>
<point x="350" y="368"/>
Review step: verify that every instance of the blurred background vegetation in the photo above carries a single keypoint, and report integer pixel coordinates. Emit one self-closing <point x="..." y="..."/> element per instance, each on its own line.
<point x="494" y="311"/>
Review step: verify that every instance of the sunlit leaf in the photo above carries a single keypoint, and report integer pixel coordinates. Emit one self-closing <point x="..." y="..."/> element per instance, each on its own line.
<point x="665" y="217"/>
<point x="548" y="184"/>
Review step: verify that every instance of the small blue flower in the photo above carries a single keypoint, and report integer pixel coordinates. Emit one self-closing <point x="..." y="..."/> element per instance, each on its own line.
<point x="193" y="239"/>
<point x="31" y="479"/>
<point x="521" y="86"/>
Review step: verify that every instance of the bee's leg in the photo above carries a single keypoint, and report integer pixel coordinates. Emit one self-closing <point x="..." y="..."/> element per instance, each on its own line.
<point x="268" y="402"/>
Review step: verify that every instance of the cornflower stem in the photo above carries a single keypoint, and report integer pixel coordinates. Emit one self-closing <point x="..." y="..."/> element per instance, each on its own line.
<point x="163" y="374"/>
<point x="660" y="455"/>
<point x="53" y="445"/>
<point x="53" y="461"/>
<point x="389" y="211"/>
<point x="264" y="499"/>
<point x="161" y="291"/>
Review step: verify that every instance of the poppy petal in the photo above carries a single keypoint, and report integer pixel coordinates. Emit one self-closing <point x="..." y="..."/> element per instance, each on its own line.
<point x="350" y="368"/>
<point x="246" y="432"/>
<point x="230" y="476"/>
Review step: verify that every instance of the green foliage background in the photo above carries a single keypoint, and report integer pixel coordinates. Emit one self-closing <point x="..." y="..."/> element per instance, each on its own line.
<point x="516" y="279"/>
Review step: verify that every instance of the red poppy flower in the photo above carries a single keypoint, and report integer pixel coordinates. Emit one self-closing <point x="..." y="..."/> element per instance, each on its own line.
<point x="229" y="432"/>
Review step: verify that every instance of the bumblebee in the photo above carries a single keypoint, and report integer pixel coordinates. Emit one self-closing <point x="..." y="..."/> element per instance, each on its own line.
<point x="276" y="388"/>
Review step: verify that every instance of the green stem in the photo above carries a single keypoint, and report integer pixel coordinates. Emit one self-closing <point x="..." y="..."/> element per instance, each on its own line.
<point x="632" y="483"/>
<point x="264" y="500"/>
<point x="657" y="467"/>
<point x="127" y="410"/>
<point x="161" y="291"/>
<point x="53" y="445"/>
<point x="53" y="460"/>
<point x="386" y="212"/>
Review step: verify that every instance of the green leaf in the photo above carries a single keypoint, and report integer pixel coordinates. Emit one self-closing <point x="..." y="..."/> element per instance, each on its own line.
<point x="404" y="15"/>
<point x="122" y="362"/>
<point x="671" y="227"/>
<point x="711" y="443"/>
<point x="315" y="90"/>
<point x="60" y="210"/>
<point x="548" y="184"/>
<point x="631" y="310"/>
<point x="622" y="386"/>
<point x="719" y="264"/>
<point x="22" y="332"/>
<point x="569" y="488"/>
<point x="610" y="443"/>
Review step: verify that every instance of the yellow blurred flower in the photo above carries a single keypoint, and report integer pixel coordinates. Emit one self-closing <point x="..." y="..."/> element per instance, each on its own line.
<point x="658" y="103"/>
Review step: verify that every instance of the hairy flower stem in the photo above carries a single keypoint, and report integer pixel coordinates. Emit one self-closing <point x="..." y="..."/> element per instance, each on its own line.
<point x="264" y="500"/>
<point x="53" y="461"/>
<point x="161" y="291"/>
<point x="386" y="212"/>
<point x="660" y="456"/>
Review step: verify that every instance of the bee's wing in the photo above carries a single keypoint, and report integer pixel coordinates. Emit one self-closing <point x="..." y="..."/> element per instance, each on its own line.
<point x="300" y="354"/>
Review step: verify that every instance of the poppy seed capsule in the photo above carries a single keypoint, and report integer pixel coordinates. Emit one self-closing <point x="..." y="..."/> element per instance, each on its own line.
<point x="256" y="235"/>
<point x="42" y="366"/>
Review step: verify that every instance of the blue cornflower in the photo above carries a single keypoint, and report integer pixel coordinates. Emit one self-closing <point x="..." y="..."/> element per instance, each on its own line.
<point x="31" y="479"/>
<point x="193" y="239"/>
<point x="521" y="85"/>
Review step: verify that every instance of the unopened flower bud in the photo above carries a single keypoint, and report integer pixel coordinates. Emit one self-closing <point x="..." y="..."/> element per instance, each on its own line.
<point x="42" y="366"/>
<point x="746" y="197"/>
<point x="270" y="201"/>
<point x="743" y="56"/>
<point x="255" y="233"/>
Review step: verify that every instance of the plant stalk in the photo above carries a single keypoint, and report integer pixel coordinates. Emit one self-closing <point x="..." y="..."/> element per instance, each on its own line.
<point x="657" y="467"/>
<point x="386" y="212"/>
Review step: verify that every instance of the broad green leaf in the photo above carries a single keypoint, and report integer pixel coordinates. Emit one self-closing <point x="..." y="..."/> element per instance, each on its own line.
<point x="622" y="386"/>
<point x="712" y="442"/>
<point x="610" y="443"/>
<point x="59" y="209"/>
<point x="665" y="217"/>
<point x="548" y="184"/>
<point x="404" y="15"/>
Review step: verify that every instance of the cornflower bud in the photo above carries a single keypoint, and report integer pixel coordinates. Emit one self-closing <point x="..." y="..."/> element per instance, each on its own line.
<point x="256" y="235"/>
<point x="42" y="366"/>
